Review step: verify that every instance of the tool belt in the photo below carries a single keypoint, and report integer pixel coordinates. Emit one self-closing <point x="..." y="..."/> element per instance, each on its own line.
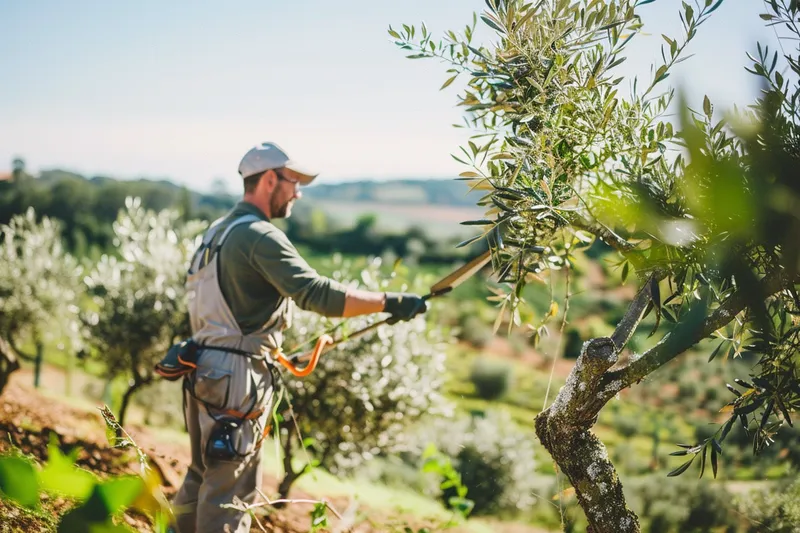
<point x="181" y="358"/>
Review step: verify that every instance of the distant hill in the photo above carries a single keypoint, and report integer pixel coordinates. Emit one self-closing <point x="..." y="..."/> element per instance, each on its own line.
<point x="442" y="192"/>
<point x="422" y="217"/>
<point x="156" y="194"/>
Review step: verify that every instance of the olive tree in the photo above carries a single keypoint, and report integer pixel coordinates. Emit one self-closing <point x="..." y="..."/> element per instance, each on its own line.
<point x="365" y="393"/>
<point x="702" y="210"/>
<point x="40" y="287"/>
<point x="139" y="294"/>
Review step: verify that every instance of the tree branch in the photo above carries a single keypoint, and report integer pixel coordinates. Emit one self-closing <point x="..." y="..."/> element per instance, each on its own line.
<point x="22" y="355"/>
<point x="633" y="316"/>
<point x="693" y="329"/>
<point x="604" y="233"/>
<point x="576" y="408"/>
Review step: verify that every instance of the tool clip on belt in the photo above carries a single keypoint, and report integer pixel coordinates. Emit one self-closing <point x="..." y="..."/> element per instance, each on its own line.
<point x="181" y="358"/>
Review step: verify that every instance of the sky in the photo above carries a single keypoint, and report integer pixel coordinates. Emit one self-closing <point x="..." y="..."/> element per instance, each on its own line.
<point x="180" y="90"/>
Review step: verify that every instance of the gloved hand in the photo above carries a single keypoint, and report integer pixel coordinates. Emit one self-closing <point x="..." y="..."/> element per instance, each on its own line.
<point x="403" y="306"/>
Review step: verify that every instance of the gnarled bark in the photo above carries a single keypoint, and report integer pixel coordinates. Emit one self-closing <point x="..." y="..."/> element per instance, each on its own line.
<point x="563" y="428"/>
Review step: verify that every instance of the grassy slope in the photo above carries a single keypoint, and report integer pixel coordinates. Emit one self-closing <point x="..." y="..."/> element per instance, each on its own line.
<point x="391" y="500"/>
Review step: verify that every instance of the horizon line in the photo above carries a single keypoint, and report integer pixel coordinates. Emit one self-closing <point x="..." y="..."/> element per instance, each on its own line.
<point x="337" y="180"/>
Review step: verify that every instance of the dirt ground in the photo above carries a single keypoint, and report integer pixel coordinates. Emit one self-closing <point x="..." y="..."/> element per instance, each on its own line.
<point x="27" y="419"/>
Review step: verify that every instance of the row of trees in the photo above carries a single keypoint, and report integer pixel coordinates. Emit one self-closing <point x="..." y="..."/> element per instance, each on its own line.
<point x="123" y="310"/>
<point x="705" y="211"/>
<point x="87" y="208"/>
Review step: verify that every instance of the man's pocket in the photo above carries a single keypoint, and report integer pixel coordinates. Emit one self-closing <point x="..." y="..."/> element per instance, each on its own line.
<point x="212" y="386"/>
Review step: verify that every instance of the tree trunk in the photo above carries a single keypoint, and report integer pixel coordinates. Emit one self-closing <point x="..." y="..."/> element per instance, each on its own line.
<point x="9" y="363"/>
<point x="126" y="398"/>
<point x="290" y="476"/>
<point x="37" y="368"/>
<point x="563" y="429"/>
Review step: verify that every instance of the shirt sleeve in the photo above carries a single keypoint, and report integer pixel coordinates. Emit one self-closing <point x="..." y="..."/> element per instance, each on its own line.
<point x="276" y="258"/>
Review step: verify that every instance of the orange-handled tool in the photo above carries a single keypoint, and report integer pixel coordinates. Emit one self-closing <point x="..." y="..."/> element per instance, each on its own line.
<point x="322" y="342"/>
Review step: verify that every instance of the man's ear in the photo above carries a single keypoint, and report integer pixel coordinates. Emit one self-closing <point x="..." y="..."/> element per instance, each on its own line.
<point x="269" y="180"/>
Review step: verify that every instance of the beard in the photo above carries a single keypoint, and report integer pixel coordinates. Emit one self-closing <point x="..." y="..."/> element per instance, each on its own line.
<point x="282" y="209"/>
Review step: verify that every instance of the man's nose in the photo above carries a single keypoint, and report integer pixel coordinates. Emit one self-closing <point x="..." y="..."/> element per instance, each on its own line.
<point x="298" y="194"/>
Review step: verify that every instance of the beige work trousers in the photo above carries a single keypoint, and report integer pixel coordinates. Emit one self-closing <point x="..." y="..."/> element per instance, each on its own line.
<point x="223" y="382"/>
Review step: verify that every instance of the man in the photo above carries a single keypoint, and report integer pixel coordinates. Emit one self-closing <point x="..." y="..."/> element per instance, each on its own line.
<point x="243" y="281"/>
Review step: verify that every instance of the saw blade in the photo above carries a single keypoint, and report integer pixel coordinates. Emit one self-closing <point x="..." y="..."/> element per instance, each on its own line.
<point x="455" y="278"/>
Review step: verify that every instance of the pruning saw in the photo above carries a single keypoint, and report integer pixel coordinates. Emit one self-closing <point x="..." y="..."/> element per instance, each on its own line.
<point x="325" y="342"/>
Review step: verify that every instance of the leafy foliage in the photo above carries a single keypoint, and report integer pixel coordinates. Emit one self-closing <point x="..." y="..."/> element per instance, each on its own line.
<point x="39" y="283"/>
<point x="494" y="459"/>
<point x="705" y="211"/>
<point x="140" y="293"/>
<point x="565" y="156"/>
<point x="441" y="465"/>
<point x="99" y="502"/>
<point x="319" y="518"/>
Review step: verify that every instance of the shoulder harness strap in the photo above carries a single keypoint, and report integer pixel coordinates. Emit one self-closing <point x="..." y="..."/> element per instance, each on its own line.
<point x="211" y="246"/>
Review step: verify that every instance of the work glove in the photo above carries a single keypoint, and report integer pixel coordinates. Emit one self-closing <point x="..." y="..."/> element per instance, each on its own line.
<point x="403" y="306"/>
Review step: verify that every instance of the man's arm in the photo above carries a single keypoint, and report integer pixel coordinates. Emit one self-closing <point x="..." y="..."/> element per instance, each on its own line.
<point x="402" y="306"/>
<point x="281" y="264"/>
<point x="359" y="302"/>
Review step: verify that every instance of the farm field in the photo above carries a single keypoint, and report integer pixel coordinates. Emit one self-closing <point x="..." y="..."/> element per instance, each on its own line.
<point x="436" y="220"/>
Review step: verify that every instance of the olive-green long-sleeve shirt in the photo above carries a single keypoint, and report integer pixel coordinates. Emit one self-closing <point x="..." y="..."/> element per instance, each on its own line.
<point x="259" y="267"/>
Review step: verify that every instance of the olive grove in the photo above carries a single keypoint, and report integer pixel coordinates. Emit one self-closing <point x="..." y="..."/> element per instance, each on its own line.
<point x="701" y="207"/>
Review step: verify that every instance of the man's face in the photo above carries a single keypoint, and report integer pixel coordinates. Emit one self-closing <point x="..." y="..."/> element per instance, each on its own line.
<point x="286" y="191"/>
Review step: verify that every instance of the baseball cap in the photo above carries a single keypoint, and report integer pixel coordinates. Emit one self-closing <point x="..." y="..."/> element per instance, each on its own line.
<point x="270" y="156"/>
